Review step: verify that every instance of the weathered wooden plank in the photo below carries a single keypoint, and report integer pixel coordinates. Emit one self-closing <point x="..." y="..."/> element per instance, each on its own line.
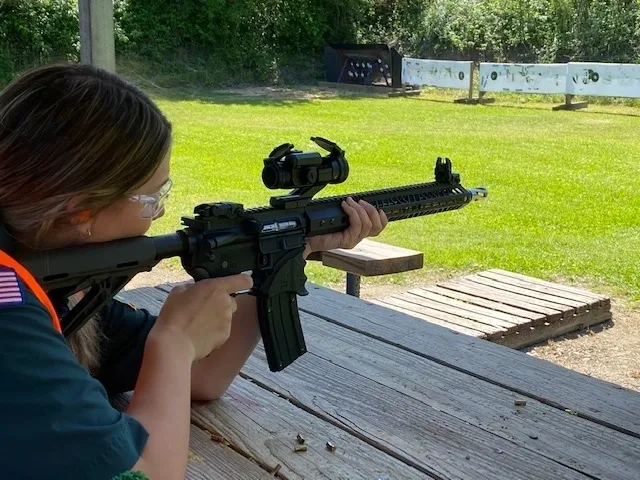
<point x="265" y="426"/>
<point x="552" y="384"/>
<point x="553" y="301"/>
<point x="572" y="441"/>
<point x="518" y="301"/>
<point x="478" y="314"/>
<point x="209" y="459"/>
<point x="556" y="292"/>
<point x="517" y="336"/>
<point x="418" y="314"/>
<point x="535" y="318"/>
<point x="558" y="286"/>
<point x="544" y="332"/>
<point x="370" y="258"/>
<point x="505" y="319"/>
<point x="529" y="335"/>
<point x="523" y="336"/>
<point x="442" y="316"/>
<point x="436" y="443"/>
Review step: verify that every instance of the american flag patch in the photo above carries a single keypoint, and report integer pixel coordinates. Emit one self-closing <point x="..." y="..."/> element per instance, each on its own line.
<point x="10" y="291"/>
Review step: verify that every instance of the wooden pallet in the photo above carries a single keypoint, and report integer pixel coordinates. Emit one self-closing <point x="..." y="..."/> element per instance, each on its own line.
<point x="504" y="307"/>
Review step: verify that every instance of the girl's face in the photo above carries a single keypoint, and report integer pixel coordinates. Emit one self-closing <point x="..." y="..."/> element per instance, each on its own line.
<point x="131" y="216"/>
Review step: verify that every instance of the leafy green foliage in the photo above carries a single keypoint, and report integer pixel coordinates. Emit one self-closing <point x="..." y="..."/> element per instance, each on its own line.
<point x="607" y="29"/>
<point x="33" y="32"/>
<point x="531" y="30"/>
<point x="217" y="42"/>
<point x="258" y="41"/>
<point x="243" y="40"/>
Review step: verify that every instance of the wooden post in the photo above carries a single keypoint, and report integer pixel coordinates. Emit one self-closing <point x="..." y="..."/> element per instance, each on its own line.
<point x="568" y="105"/>
<point x="469" y="99"/>
<point x="471" y="71"/>
<point x="97" y="39"/>
<point x="482" y="100"/>
<point x="475" y="101"/>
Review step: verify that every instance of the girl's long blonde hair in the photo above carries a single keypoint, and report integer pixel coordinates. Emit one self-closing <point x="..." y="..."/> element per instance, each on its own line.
<point x="71" y="131"/>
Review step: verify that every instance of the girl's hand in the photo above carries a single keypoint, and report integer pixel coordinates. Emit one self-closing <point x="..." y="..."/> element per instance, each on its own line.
<point x="200" y="313"/>
<point x="364" y="221"/>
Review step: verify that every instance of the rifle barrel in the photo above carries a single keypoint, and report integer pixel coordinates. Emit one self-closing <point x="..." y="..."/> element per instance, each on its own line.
<point x="398" y="203"/>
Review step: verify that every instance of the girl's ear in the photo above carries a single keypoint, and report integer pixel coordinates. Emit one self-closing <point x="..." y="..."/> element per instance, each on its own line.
<point x="82" y="223"/>
<point x="78" y="222"/>
<point x="81" y="217"/>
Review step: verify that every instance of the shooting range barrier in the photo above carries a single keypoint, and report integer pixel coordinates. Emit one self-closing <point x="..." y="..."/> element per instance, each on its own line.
<point x="378" y="68"/>
<point x="568" y="79"/>
<point x="548" y="79"/>
<point x="417" y="72"/>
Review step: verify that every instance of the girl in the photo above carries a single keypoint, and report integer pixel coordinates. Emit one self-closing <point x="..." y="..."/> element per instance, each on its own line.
<point x="85" y="157"/>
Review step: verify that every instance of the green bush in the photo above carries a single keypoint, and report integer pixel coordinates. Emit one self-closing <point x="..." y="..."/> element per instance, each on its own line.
<point x="606" y="30"/>
<point x="231" y="41"/>
<point x="531" y="30"/>
<point x="35" y="32"/>
<point x="247" y="40"/>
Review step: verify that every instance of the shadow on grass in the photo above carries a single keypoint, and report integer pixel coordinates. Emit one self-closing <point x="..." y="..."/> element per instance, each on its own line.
<point x="581" y="111"/>
<point x="257" y="96"/>
<point x="291" y="95"/>
<point x="594" y="107"/>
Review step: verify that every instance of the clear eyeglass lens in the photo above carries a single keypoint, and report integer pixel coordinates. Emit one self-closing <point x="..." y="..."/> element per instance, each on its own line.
<point x="153" y="204"/>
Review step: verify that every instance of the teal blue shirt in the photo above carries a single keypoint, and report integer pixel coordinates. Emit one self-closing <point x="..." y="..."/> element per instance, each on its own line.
<point x="56" y="421"/>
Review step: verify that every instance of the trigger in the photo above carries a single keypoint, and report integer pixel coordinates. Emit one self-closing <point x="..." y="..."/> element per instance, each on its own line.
<point x="199" y="274"/>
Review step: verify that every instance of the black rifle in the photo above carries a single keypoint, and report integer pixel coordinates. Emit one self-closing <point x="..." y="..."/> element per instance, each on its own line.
<point x="225" y="239"/>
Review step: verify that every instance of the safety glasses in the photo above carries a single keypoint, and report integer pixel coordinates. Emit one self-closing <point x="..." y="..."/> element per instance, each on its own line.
<point x="154" y="203"/>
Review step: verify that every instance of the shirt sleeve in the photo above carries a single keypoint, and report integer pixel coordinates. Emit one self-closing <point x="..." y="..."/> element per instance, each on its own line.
<point x="56" y="421"/>
<point x="126" y="330"/>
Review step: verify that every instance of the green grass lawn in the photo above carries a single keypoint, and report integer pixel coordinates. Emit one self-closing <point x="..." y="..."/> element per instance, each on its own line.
<point x="564" y="199"/>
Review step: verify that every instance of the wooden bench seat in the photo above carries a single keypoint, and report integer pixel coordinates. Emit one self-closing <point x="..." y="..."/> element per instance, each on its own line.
<point x="370" y="258"/>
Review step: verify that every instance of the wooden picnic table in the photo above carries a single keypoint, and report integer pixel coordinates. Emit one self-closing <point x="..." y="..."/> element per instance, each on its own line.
<point x="401" y="398"/>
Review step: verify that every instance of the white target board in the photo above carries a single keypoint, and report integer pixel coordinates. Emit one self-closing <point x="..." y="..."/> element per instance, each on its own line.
<point x="604" y="79"/>
<point x="550" y="78"/>
<point x="436" y="73"/>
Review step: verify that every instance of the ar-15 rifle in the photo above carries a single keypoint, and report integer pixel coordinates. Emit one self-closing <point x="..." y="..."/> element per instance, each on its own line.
<point x="225" y="239"/>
